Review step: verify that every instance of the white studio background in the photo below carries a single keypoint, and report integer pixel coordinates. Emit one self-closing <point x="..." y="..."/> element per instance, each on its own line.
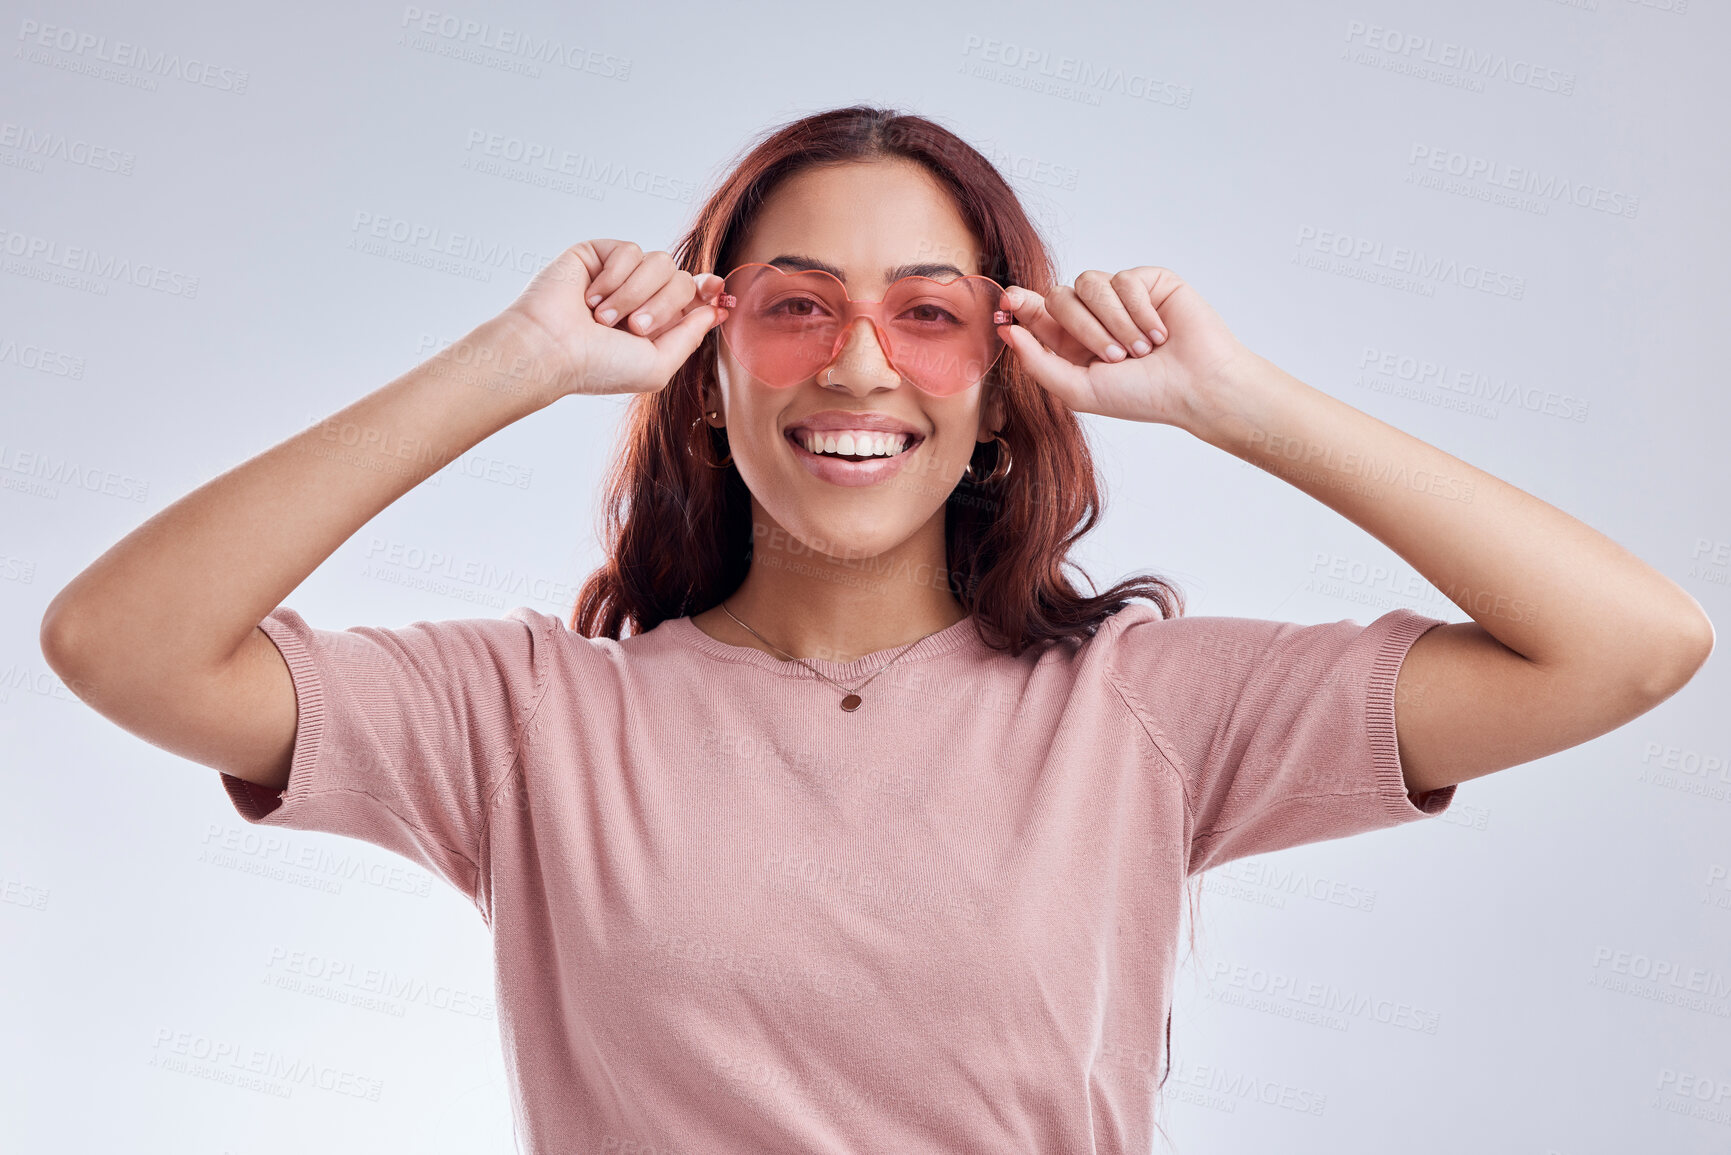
<point x="1545" y="970"/>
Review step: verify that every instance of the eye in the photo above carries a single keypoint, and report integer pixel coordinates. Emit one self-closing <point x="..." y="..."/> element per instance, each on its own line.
<point x="931" y="314"/>
<point x="794" y="306"/>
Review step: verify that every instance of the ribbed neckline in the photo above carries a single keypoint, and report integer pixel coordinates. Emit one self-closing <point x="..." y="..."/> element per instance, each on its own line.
<point x="945" y="641"/>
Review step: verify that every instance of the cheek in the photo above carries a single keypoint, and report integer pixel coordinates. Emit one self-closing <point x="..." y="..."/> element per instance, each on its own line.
<point x="955" y="440"/>
<point x="937" y="466"/>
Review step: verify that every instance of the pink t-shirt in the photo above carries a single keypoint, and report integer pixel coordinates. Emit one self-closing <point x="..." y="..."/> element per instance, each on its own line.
<point x="728" y="915"/>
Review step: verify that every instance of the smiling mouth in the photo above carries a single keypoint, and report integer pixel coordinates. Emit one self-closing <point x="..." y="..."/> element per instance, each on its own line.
<point x="809" y="441"/>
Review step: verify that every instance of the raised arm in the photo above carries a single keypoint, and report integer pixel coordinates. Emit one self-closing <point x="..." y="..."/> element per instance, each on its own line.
<point x="161" y="633"/>
<point x="1572" y="635"/>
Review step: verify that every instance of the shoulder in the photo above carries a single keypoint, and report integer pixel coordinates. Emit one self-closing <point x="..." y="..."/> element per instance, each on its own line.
<point x="516" y="639"/>
<point x="1196" y="667"/>
<point x="1137" y="639"/>
<point x="1138" y="636"/>
<point x="556" y="643"/>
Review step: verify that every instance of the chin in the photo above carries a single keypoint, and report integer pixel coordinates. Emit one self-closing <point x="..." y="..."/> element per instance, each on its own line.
<point x="845" y="535"/>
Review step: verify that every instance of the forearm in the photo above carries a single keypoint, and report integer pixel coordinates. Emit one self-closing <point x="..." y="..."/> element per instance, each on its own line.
<point x="1545" y="585"/>
<point x="179" y="594"/>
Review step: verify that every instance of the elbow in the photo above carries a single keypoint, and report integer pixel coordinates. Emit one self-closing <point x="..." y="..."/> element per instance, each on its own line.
<point x="53" y="637"/>
<point x="58" y="640"/>
<point x="1680" y="652"/>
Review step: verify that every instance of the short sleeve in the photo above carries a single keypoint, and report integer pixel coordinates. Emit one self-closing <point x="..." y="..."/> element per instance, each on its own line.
<point x="401" y="734"/>
<point x="1281" y="734"/>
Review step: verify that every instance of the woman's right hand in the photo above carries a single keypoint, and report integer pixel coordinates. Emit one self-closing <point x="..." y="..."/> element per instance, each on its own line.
<point x="589" y="355"/>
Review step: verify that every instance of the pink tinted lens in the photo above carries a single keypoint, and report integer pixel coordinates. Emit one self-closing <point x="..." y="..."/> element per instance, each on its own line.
<point x="785" y="327"/>
<point x="944" y="333"/>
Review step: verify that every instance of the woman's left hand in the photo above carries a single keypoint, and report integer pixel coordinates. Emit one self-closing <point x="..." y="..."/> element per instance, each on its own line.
<point x="1190" y="349"/>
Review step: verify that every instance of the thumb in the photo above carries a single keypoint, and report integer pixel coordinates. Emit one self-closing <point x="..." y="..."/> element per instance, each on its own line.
<point x="1048" y="369"/>
<point x="674" y="346"/>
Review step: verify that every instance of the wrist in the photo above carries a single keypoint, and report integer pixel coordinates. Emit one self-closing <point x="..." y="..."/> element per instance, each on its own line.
<point x="509" y="356"/>
<point x="1219" y="408"/>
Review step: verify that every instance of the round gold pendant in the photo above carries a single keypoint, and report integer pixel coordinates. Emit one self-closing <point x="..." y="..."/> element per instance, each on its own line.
<point x="851" y="702"/>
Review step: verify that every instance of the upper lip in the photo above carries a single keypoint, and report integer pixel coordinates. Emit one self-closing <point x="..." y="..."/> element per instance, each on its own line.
<point x="830" y="420"/>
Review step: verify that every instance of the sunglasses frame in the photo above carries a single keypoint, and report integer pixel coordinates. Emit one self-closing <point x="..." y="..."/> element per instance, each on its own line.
<point x="871" y="310"/>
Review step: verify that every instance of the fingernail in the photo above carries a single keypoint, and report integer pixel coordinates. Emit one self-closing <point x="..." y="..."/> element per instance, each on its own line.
<point x="1157" y="334"/>
<point x="642" y="320"/>
<point x="594" y="299"/>
<point x="607" y="316"/>
<point x="1141" y="348"/>
<point x="1114" y="353"/>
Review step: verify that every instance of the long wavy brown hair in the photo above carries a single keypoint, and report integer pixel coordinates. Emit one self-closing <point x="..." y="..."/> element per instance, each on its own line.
<point x="678" y="534"/>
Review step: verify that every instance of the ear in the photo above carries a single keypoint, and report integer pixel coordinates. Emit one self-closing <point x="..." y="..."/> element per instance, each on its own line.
<point x="710" y="393"/>
<point x="991" y="415"/>
<point x="719" y="385"/>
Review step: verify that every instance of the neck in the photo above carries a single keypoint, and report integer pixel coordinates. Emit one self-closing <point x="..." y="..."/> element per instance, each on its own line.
<point x="833" y="605"/>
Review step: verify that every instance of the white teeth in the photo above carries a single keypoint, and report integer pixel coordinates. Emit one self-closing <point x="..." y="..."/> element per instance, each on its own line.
<point x="855" y="442"/>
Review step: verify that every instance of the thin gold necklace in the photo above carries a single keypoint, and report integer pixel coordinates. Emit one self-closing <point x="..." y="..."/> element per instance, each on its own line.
<point x="852" y="701"/>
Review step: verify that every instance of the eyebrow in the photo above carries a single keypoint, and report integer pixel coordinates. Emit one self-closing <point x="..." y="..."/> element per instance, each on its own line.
<point x="926" y="269"/>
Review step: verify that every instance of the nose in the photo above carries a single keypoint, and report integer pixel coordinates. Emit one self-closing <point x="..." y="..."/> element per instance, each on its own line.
<point x="862" y="365"/>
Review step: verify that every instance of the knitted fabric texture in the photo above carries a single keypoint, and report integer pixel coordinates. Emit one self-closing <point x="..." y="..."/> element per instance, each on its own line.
<point x="729" y="916"/>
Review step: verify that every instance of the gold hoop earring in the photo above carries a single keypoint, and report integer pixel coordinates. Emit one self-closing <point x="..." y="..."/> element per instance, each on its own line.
<point x="703" y="456"/>
<point x="1004" y="462"/>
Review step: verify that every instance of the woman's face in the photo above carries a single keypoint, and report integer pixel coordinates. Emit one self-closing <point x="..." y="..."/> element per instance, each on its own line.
<point x="865" y="221"/>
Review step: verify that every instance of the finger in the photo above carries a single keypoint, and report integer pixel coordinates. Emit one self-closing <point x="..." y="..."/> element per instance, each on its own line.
<point x="707" y="285"/>
<point x="708" y="288"/>
<point x="1104" y="299"/>
<point x="575" y="266"/>
<point x="618" y="259"/>
<point x="592" y="261"/>
<point x="705" y="291"/>
<point x="1144" y="284"/>
<point x="605" y="247"/>
<point x="681" y="340"/>
<point x="1058" y="375"/>
<point x="1128" y="292"/>
<point x="644" y="282"/>
<point x="1071" y="311"/>
<point x="1031" y="313"/>
<point x="666" y="305"/>
<point x="1136" y="290"/>
<point x="622" y="259"/>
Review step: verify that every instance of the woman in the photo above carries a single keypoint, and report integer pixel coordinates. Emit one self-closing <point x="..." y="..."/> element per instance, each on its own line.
<point x="872" y="832"/>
